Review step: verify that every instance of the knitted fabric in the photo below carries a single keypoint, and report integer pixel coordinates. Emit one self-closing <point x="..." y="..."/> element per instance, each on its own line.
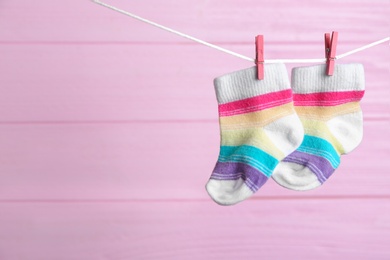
<point x="330" y="112"/>
<point x="259" y="127"/>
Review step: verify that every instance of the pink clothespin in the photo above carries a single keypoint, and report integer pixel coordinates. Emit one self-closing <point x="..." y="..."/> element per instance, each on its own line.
<point x="330" y="52"/>
<point x="260" y="56"/>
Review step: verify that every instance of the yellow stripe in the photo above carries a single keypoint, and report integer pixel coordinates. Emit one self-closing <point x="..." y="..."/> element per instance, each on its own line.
<point x="321" y="130"/>
<point x="327" y="112"/>
<point x="253" y="137"/>
<point x="256" y="119"/>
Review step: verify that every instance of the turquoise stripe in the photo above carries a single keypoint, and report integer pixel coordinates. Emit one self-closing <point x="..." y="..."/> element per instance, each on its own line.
<point x="320" y="147"/>
<point x="249" y="155"/>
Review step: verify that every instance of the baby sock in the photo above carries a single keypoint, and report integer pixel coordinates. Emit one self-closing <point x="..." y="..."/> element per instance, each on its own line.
<point x="329" y="109"/>
<point x="258" y="127"/>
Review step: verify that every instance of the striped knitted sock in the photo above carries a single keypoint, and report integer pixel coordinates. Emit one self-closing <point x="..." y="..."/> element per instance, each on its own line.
<point x="329" y="109"/>
<point x="259" y="127"/>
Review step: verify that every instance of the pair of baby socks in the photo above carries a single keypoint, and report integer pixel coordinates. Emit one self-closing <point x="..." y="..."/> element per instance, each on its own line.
<point x="294" y="134"/>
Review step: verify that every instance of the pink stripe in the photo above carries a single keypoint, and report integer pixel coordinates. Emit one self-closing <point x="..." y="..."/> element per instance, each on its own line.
<point x="327" y="98"/>
<point x="256" y="108"/>
<point x="255" y="103"/>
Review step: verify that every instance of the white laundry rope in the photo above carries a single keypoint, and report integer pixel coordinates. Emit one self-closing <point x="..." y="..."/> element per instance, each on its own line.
<point x="232" y="52"/>
<point x="363" y="48"/>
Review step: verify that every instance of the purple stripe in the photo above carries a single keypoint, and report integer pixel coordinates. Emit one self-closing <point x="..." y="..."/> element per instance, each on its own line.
<point x="320" y="166"/>
<point x="252" y="177"/>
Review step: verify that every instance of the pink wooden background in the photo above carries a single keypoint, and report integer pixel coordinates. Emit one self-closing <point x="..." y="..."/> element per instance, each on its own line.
<point x="109" y="132"/>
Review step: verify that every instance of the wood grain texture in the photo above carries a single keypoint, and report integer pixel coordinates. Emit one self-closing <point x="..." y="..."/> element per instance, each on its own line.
<point x="302" y="229"/>
<point x="152" y="161"/>
<point x="218" y="21"/>
<point x="142" y="82"/>
<point x="109" y="132"/>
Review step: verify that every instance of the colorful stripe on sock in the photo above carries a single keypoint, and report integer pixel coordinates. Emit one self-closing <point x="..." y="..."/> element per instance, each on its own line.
<point x="256" y="103"/>
<point x="253" y="161"/>
<point x="320" y="166"/>
<point x="251" y="164"/>
<point x="318" y="155"/>
<point x="320" y="151"/>
<point x="252" y="177"/>
<point x="327" y="98"/>
<point x="320" y="147"/>
<point x="250" y="155"/>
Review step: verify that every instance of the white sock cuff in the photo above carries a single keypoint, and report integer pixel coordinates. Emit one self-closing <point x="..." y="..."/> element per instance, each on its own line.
<point x="244" y="83"/>
<point x="312" y="79"/>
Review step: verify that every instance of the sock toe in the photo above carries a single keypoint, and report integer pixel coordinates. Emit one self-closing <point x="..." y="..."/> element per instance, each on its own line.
<point x="295" y="176"/>
<point x="228" y="192"/>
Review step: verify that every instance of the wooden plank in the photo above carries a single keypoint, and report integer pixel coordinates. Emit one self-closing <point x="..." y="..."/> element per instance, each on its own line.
<point x="268" y="229"/>
<point x="153" y="161"/>
<point x="143" y="82"/>
<point x="216" y="21"/>
<point x="108" y="133"/>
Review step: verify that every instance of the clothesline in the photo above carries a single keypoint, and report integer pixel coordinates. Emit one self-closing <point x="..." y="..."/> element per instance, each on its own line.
<point x="232" y="52"/>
